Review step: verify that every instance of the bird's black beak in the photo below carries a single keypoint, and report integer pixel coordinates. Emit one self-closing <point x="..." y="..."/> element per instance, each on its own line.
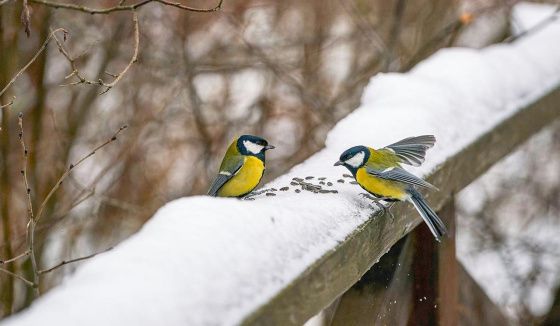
<point x="338" y="163"/>
<point x="267" y="147"/>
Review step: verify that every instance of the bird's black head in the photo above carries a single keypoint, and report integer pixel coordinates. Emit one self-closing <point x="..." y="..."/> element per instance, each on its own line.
<point x="354" y="158"/>
<point x="253" y="145"/>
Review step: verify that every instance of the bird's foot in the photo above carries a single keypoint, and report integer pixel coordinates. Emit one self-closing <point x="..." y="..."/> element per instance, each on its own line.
<point x="388" y="209"/>
<point x="376" y="202"/>
<point x="383" y="209"/>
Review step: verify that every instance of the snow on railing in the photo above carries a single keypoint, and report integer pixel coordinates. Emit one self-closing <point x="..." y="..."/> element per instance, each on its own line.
<point x="281" y="259"/>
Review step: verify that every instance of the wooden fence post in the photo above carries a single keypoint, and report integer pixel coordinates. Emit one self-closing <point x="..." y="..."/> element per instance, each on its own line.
<point x="435" y="293"/>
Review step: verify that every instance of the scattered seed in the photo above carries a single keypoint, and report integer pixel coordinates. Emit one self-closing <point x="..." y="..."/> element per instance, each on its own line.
<point x="309" y="178"/>
<point x="284" y="188"/>
<point x="294" y="183"/>
<point x="324" y="191"/>
<point x="322" y="178"/>
<point x="270" y="194"/>
<point x="353" y="182"/>
<point x="334" y="191"/>
<point x="249" y="198"/>
<point x="321" y="183"/>
<point x="329" y="184"/>
<point x="298" y="191"/>
<point x="340" y="181"/>
<point x="273" y="189"/>
<point x="297" y="179"/>
<point x="347" y="175"/>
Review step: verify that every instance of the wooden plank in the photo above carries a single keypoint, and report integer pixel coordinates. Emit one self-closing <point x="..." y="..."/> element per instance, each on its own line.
<point x="435" y="298"/>
<point x="447" y="304"/>
<point x="383" y="295"/>
<point x="425" y="280"/>
<point x="339" y="269"/>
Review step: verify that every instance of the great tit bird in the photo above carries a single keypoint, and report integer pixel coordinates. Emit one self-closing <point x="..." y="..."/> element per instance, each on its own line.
<point x="379" y="172"/>
<point x="242" y="167"/>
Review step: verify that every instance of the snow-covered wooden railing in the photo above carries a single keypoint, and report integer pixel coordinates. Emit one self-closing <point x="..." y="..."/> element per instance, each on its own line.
<point x="282" y="259"/>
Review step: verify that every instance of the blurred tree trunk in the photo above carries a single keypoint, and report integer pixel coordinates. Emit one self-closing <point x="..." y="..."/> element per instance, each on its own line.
<point x="8" y="64"/>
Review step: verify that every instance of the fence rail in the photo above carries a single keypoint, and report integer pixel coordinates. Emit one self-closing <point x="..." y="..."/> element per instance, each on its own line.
<point x="333" y="274"/>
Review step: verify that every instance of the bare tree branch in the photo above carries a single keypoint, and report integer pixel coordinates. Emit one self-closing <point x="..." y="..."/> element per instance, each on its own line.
<point x="25" y="18"/>
<point x="71" y="167"/>
<point x="121" y="7"/>
<point x="82" y="80"/>
<point x="22" y="255"/>
<point x="23" y="171"/>
<point x="41" y="49"/>
<point x="2" y="106"/>
<point x="134" y="56"/>
<point x="66" y="262"/>
<point x="19" y="277"/>
<point x="31" y="223"/>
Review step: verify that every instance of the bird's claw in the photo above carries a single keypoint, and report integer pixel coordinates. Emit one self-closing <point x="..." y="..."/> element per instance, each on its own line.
<point x="382" y="208"/>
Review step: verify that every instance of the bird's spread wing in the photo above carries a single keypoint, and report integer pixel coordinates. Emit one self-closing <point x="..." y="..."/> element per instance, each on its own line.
<point x="228" y="169"/>
<point x="401" y="175"/>
<point x="412" y="150"/>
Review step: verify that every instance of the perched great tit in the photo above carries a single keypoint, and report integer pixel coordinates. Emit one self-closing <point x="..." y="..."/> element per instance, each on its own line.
<point x="379" y="173"/>
<point x="242" y="167"/>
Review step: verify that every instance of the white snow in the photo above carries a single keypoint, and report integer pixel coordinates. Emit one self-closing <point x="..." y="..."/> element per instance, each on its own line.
<point x="209" y="261"/>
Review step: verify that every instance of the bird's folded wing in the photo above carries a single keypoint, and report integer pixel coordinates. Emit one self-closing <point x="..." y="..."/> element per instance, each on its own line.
<point x="401" y="175"/>
<point x="230" y="166"/>
<point x="412" y="150"/>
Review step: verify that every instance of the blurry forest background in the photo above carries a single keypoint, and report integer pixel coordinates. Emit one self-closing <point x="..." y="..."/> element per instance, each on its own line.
<point x="287" y="70"/>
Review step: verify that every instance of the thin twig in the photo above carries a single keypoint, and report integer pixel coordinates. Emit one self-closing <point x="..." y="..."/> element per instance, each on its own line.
<point x="26" y="17"/>
<point x="71" y="167"/>
<point x="23" y="171"/>
<point x="8" y="104"/>
<point x="82" y="80"/>
<point x="24" y="254"/>
<point x="121" y="7"/>
<point x="134" y="56"/>
<point x="41" y="49"/>
<point x="19" y="277"/>
<point x="66" y="262"/>
<point x="31" y="223"/>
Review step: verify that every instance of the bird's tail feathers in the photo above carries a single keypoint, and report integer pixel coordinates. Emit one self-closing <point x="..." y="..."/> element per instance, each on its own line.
<point x="436" y="225"/>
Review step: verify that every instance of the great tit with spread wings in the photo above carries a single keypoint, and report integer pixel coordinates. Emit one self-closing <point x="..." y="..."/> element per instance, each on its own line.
<point x="379" y="172"/>
<point x="242" y="167"/>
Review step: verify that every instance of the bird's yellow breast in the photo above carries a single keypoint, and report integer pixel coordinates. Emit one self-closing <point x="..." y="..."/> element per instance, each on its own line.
<point x="380" y="187"/>
<point x="246" y="179"/>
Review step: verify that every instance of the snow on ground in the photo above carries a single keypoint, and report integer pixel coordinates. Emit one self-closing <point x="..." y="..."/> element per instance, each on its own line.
<point x="210" y="261"/>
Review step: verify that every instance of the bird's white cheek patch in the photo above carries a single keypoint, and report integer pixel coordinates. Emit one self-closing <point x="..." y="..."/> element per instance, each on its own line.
<point x="252" y="147"/>
<point x="356" y="160"/>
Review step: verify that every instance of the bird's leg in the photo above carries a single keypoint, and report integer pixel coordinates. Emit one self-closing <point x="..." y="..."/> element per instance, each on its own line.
<point x="388" y="208"/>
<point x="376" y="202"/>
